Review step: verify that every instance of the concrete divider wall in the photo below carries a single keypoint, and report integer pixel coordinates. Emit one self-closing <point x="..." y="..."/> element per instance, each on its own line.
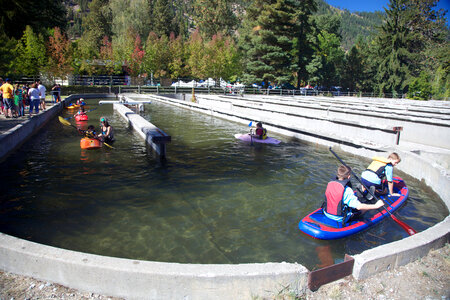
<point x="429" y="129"/>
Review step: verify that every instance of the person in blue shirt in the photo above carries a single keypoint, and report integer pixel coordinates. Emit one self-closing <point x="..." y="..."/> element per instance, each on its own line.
<point x="339" y="195"/>
<point x="379" y="169"/>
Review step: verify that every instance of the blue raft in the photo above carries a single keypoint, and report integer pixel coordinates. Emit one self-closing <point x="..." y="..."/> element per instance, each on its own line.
<point x="318" y="226"/>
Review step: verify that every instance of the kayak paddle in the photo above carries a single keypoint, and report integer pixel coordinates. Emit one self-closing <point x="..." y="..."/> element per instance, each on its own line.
<point x="67" y="123"/>
<point x="402" y="224"/>
<point x="251" y="135"/>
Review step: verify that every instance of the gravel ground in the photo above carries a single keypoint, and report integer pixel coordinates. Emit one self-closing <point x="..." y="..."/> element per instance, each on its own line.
<point x="427" y="278"/>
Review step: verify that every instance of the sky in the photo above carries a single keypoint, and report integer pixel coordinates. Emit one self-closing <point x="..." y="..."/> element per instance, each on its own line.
<point x="373" y="5"/>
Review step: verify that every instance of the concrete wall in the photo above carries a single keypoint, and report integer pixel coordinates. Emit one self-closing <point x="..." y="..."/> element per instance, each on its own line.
<point x="421" y="124"/>
<point x="135" y="279"/>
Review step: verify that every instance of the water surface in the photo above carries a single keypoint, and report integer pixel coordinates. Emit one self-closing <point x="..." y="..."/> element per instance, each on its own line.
<point x="214" y="200"/>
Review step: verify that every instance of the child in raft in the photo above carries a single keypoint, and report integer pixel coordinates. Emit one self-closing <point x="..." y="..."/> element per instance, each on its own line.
<point x="379" y="169"/>
<point x="107" y="132"/>
<point x="80" y="111"/>
<point x="81" y="102"/>
<point x="260" y="132"/>
<point x="339" y="195"/>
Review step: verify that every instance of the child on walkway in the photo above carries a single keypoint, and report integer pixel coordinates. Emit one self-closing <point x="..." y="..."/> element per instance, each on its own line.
<point x="379" y="169"/>
<point x="340" y="194"/>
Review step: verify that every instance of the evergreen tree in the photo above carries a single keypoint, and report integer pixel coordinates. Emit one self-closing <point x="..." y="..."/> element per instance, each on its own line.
<point x="409" y="30"/>
<point x="395" y="42"/>
<point x="267" y="41"/>
<point x="214" y="17"/>
<point x="305" y="40"/>
<point x="163" y="18"/>
<point x="96" y="25"/>
<point x="7" y="54"/>
<point x="30" y="54"/>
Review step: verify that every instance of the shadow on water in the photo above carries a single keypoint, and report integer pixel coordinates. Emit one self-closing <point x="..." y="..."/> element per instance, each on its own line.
<point x="214" y="200"/>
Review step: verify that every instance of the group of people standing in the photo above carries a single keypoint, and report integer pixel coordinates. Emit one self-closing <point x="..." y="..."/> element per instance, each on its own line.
<point x="15" y="99"/>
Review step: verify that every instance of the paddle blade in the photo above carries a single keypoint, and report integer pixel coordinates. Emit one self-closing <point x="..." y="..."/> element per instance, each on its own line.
<point x="108" y="145"/>
<point x="405" y="226"/>
<point x="64" y="121"/>
<point x="250" y="124"/>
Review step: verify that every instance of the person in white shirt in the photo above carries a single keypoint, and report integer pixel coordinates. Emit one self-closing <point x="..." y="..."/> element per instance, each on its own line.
<point x="42" y="91"/>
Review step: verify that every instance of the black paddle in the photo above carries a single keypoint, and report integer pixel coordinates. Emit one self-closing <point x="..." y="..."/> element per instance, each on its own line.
<point x="402" y="224"/>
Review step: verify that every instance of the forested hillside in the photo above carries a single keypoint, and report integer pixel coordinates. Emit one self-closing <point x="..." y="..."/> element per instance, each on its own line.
<point x="267" y="42"/>
<point x="363" y="24"/>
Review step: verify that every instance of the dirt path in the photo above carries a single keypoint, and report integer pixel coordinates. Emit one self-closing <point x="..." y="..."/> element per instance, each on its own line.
<point x="427" y="278"/>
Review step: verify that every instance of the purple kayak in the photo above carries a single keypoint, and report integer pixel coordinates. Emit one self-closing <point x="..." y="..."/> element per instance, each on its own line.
<point x="248" y="138"/>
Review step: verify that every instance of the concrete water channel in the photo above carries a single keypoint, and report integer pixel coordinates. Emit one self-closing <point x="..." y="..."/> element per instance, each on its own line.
<point x="359" y="127"/>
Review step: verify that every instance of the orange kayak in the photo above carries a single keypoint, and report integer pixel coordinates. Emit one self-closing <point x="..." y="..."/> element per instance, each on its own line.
<point x="87" y="143"/>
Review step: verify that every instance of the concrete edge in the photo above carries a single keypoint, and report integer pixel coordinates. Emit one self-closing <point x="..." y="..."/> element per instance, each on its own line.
<point x="135" y="279"/>
<point x="402" y="252"/>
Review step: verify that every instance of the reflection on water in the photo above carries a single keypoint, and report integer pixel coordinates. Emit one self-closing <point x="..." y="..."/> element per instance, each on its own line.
<point x="214" y="200"/>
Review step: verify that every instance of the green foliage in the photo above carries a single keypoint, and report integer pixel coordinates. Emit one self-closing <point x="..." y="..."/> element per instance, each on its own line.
<point x="196" y="54"/>
<point x="353" y="24"/>
<point x="163" y="18"/>
<point x="15" y="15"/>
<point x="7" y="54"/>
<point x="326" y="63"/>
<point x="221" y="58"/>
<point x="420" y="88"/>
<point x="409" y="29"/>
<point x="30" y="54"/>
<point x="214" y="17"/>
<point x="96" y="25"/>
<point x="156" y="58"/>
<point x="271" y="29"/>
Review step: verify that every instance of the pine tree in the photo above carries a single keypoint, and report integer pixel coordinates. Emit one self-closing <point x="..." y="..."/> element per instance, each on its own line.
<point x="30" y="53"/>
<point x="214" y="17"/>
<point x="395" y="42"/>
<point x="409" y="29"/>
<point x="163" y="17"/>
<point x="267" y="41"/>
<point x="305" y="40"/>
<point x="96" y="25"/>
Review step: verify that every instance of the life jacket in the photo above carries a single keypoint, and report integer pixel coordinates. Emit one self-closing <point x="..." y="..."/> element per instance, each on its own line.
<point x="262" y="133"/>
<point x="333" y="197"/>
<point x="378" y="166"/>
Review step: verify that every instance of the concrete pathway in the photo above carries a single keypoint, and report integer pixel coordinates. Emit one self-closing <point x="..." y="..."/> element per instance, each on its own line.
<point x="8" y="123"/>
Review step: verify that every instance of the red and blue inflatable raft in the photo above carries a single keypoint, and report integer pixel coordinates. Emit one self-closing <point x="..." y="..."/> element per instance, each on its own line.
<point x="318" y="226"/>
